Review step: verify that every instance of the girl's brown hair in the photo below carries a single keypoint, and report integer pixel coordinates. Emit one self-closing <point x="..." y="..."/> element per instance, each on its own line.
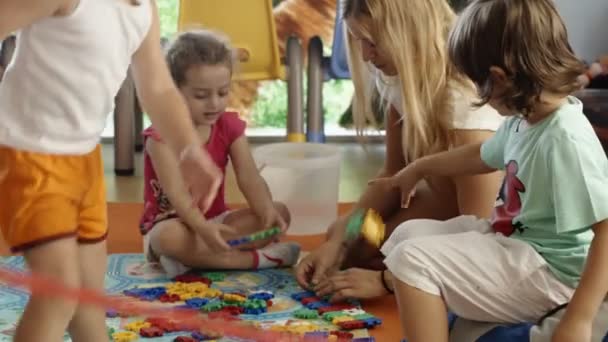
<point x="525" y="38"/>
<point x="198" y="47"/>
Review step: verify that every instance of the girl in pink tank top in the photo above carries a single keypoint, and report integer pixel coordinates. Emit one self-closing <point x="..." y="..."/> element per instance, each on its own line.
<point x="178" y="234"/>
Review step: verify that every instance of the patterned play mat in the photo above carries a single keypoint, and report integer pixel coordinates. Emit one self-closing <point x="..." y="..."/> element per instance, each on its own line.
<point x="131" y="271"/>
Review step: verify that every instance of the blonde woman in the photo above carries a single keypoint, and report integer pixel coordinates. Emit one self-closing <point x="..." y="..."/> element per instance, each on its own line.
<point x="399" y="47"/>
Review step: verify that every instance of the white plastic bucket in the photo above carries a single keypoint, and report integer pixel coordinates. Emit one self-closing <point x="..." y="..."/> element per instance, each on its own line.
<point x="306" y="178"/>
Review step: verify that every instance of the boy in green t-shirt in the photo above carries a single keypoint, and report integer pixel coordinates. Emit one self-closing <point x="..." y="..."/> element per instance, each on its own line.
<point x="545" y="244"/>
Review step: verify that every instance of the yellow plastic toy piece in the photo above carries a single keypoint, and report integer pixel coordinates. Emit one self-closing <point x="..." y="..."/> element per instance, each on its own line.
<point x="339" y="319"/>
<point x="124" y="336"/>
<point x="232" y="297"/>
<point x="373" y="228"/>
<point x="187" y="291"/>
<point x="332" y="338"/>
<point x="136" y="326"/>
<point x="250" y="26"/>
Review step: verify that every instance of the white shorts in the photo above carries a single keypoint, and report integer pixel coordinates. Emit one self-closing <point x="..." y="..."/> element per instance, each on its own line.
<point x="481" y="275"/>
<point x="151" y="256"/>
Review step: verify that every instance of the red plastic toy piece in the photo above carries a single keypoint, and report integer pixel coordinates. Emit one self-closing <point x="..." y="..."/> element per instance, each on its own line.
<point x="335" y="307"/>
<point x="151" y="332"/>
<point x="269" y="303"/>
<point x="192" y="278"/>
<point x="222" y="315"/>
<point x="167" y="298"/>
<point x="163" y="324"/>
<point x="342" y="334"/>
<point x="184" y="339"/>
<point x="309" y="300"/>
<point x="351" y="325"/>
<point x="233" y="310"/>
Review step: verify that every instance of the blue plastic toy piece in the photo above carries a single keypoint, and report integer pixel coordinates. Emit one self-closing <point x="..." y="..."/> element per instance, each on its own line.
<point x="316" y="336"/>
<point x="372" y="322"/>
<point x="317" y="305"/>
<point x="254" y="311"/>
<point x="196" y="303"/>
<point x="364" y="339"/>
<point x="301" y="295"/>
<point x="263" y="295"/>
<point x="147" y="294"/>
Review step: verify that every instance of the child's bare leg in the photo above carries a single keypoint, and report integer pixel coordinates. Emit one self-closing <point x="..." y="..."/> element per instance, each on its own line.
<point x="46" y="318"/>
<point x="174" y="240"/>
<point x="423" y="315"/>
<point x="89" y="324"/>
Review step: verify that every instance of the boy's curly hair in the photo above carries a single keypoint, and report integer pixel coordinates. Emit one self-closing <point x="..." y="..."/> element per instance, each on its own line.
<point x="525" y="38"/>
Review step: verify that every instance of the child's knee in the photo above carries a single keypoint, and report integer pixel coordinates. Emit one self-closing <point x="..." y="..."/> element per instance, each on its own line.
<point x="283" y="211"/>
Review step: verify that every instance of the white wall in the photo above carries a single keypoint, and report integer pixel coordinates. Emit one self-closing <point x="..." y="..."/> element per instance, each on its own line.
<point x="587" y="23"/>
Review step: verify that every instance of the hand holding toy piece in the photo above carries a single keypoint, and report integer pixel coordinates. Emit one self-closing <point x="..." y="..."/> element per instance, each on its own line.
<point x="265" y="234"/>
<point x="368" y="224"/>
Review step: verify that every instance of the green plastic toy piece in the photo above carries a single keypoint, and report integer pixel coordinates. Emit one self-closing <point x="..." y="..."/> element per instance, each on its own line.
<point x="363" y="317"/>
<point x="111" y="331"/>
<point x="329" y="316"/>
<point x="254" y="304"/>
<point x="213" y="306"/>
<point x="353" y="227"/>
<point x="306" y="314"/>
<point x="215" y="276"/>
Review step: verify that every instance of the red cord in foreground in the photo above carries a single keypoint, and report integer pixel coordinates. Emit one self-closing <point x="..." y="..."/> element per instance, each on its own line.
<point x="188" y="319"/>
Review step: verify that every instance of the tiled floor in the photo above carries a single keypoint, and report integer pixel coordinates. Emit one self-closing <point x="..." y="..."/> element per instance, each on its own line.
<point x="358" y="165"/>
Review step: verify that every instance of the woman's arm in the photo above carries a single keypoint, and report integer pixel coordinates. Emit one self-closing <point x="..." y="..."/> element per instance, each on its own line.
<point x="476" y="194"/>
<point x="375" y="196"/>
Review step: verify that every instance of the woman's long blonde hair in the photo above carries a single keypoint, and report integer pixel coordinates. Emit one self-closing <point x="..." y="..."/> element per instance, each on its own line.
<point x="414" y="34"/>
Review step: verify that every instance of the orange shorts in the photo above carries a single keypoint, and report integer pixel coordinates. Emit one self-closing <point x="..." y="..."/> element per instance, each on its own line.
<point x="45" y="197"/>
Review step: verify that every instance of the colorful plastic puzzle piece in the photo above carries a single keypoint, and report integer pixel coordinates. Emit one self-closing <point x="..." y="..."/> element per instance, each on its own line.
<point x="316" y="336"/>
<point x="137" y="325"/>
<point x="192" y="278"/>
<point x="343" y="335"/>
<point x="364" y="339"/>
<point x="263" y="235"/>
<point x="205" y="337"/>
<point x="317" y="305"/>
<point x="215" y="276"/>
<point x="368" y="224"/>
<point x="124" y="336"/>
<point x="264" y="295"/>
<point x="298" y="296"/>
<point x="111" y="314"/>
<point x="184" y="339"/>
<point x="151" y="332"/>
<point x="306" y="314"/>
<point x="196" y="303"/>
<point x="212" y="306"/>
<point x="351" y="325"/>
<point x="147" y="294"/>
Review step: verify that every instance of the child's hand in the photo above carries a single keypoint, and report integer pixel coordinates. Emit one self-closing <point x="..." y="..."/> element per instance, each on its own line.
<point x="405" y="180"/>
<point x="271" y="217"/>
<point x="201" y="176"/>
<point x="572" y="330"/>
<point x="211" y="233"/>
